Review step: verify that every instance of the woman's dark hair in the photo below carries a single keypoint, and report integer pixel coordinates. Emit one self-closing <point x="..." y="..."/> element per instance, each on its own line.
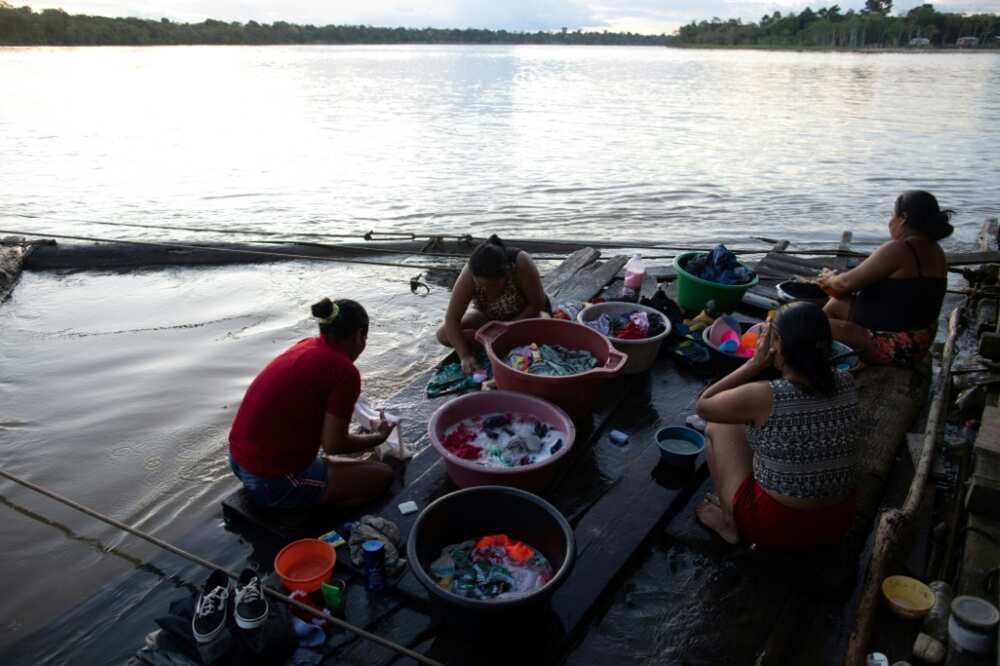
<point x="806" y="342"/>
<point x="491" y="260"/>
<point x="923" y="214"/>
<point x="340" y="319"/>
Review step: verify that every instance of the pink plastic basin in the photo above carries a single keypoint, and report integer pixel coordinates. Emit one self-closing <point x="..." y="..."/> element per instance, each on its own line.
<point x="577" y="394"/>
<point x="466" y="473"/>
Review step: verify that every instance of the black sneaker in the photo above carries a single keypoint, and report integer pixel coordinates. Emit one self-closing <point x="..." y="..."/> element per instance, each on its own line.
<point x="251" y="605"/>
<point x="212" y="607"/>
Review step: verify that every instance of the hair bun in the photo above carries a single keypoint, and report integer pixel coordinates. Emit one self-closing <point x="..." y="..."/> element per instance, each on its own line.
<point x="323" y="309"/>
<point x="495" y="240"/>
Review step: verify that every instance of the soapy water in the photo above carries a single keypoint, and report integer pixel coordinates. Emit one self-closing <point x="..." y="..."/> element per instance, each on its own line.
<point x="504" y="440"/>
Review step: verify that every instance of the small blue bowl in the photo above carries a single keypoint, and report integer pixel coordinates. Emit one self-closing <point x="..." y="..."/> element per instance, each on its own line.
<point x="679" y="446"/>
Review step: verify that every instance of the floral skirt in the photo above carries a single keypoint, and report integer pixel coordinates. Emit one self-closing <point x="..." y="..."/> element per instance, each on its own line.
<point x="902" y="349"/>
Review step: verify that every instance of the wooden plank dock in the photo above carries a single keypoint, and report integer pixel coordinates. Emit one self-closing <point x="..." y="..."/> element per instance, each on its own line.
<point x="618" y="499"/>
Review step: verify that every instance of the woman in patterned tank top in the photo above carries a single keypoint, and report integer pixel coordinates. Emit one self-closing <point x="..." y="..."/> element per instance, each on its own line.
<point x="502" y="284"/>
<point x="783" y="453"/>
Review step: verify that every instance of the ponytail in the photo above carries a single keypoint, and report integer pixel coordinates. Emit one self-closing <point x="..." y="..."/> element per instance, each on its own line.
<point x="491" y="260"/>
<point x="340" y="319"/>
<point x="923" y="214"/>
<point x="806" y="342"/>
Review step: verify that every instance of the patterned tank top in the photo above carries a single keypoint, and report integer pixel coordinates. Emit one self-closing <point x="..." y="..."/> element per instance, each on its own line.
<point x="508" y="304"/>
<point x="808" y="447"/>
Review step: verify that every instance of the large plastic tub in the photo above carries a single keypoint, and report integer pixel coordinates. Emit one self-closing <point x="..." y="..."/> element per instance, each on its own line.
<point x="641" y="353"/>
<point x="466" y="473"/>
<point x="576" y="394"/>
<point x="473" y="513"/>
<point x="693" y="292"/>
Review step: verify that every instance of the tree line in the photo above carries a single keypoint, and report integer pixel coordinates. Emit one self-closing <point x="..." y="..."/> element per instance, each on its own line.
<point x="53" y="27"/>
<point x="870" y="27"/>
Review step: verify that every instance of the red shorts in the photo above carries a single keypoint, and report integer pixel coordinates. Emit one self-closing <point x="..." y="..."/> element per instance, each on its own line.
<point x="762" y="520"/>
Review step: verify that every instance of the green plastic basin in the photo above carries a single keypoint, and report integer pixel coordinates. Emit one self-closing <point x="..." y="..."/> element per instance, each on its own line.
<point x="693" y="292"/>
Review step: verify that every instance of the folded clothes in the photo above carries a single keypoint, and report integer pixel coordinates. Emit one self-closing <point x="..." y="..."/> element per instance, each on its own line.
<point x="720" y="265"/>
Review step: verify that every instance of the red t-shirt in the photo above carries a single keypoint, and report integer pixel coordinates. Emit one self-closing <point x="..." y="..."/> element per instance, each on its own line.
<point x="279" y="426"/>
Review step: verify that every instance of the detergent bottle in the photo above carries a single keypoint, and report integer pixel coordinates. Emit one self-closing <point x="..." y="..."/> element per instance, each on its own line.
<point x="635" y="273"/>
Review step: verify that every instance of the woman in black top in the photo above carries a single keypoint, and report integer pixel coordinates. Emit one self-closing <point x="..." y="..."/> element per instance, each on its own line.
<point x="887" y="307"/>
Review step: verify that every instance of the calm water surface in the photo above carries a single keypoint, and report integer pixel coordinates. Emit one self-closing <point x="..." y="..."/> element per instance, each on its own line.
<point x="118" y="390"/>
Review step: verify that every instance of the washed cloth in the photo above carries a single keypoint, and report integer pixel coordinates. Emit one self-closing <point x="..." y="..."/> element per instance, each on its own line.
<point x="551" y="360"/>
<point x="808" y="446"/>
<point x="494" y="567"/>
<point x="720" y="265"/>
<point x="635" y="325"/>
<point x="762" y="520"/>
<point x="309" y="634"/>
<point x="449" y="378"/>
<point x="501" y="440"/>
<point x="386" y="531"/>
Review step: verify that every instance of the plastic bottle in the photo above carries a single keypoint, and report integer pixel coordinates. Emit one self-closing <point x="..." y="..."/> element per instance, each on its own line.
<point x="373" y="565"/>
<point x="635" y="273"/>
<point x="936" y="621"/>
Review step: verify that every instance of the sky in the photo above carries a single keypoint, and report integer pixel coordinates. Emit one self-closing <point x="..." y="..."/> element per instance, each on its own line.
<point x="645" y="16"/>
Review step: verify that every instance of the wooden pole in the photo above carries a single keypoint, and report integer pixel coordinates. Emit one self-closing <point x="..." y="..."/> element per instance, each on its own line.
<point x="211" y="565"/>
<point x="893" y="523"/>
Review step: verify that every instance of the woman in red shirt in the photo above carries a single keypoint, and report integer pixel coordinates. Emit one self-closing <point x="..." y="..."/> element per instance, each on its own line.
<point x="299" y="406"/>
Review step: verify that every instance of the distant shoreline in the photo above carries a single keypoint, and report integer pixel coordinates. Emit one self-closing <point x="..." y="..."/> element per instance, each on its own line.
<point x="834" y="49"/>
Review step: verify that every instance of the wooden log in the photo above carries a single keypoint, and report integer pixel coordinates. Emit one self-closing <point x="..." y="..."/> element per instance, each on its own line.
<point x="989" y="235"/>
<point x="894" y="524"/>
<point x="573" y="264"/>
<point x="588" y="282"/>
<point x="986" y="315"/>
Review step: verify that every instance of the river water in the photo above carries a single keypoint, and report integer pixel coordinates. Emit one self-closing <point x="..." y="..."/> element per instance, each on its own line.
<point x="118" y="389"/>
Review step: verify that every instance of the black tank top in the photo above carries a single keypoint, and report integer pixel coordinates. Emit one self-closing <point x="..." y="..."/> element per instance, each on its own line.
<point x="909" y="304"/>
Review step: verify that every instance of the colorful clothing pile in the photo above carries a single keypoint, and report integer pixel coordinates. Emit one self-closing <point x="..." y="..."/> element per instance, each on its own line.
<point x="720" y="265"/>
<point x="636" y="325"/>
<point x="495" y="567"/>
<point x="550" y="360"/>
<point x="503" y="440"/>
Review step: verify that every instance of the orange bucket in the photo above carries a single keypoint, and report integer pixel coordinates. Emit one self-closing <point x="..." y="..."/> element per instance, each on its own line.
<point x="305" y="564"/>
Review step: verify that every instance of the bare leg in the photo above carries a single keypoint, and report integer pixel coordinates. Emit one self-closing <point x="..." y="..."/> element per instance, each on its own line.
<point x="730" y="462"/>
<point x="839" y="308"/>
<point x="350" y="483"/>
<point x="471" y="322"/>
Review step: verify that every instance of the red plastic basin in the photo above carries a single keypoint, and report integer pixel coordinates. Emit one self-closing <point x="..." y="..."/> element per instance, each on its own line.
<point x="577" y="394"/>
<point x="466" y="473"/>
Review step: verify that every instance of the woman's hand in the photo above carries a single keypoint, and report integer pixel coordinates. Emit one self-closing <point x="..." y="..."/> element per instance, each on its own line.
<point x="763" y="353"/>
<point x="384" y="428"/>
<point x="469" y="364"/>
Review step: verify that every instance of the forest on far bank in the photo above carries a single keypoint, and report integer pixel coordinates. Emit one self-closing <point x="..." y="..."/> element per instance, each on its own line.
<point x="831" y="27"/>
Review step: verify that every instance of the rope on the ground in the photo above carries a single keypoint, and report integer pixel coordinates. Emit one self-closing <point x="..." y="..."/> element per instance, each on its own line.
<point x="212" y="565"/>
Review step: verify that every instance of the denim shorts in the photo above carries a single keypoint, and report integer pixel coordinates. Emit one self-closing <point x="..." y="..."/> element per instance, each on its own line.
<point x="287" y="490"/>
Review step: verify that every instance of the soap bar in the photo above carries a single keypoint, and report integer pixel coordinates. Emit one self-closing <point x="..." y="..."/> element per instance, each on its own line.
<point x="618" y="437"/>
<point x="407" y="508"/>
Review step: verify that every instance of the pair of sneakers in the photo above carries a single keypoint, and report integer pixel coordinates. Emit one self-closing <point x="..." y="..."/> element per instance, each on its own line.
<point x="211" y="613"/>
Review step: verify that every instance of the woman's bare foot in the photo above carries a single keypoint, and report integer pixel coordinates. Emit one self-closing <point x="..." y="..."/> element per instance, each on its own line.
<point x="711" y="515"/>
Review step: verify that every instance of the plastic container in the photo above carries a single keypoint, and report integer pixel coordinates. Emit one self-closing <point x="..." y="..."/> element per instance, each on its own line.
<point x="641" y="353"/>
<point x="797" y="290"/>
<point x="907" y="597"/>
<point x="373" y="565"/>
<point x="473" y="513"/>
<point x="693" y="292"/>
<point x="304" y="565"/>
<point x="936" y="622"/>
<point x="972" y="626"/>
<point x="679" y="446"/>
<point x="466" y="473"/>
<point x="635" y="273"/>
<point x="576" y="394"/>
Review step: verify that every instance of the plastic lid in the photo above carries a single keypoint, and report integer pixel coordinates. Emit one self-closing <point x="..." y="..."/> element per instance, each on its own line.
<point x="975" y="613"/>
